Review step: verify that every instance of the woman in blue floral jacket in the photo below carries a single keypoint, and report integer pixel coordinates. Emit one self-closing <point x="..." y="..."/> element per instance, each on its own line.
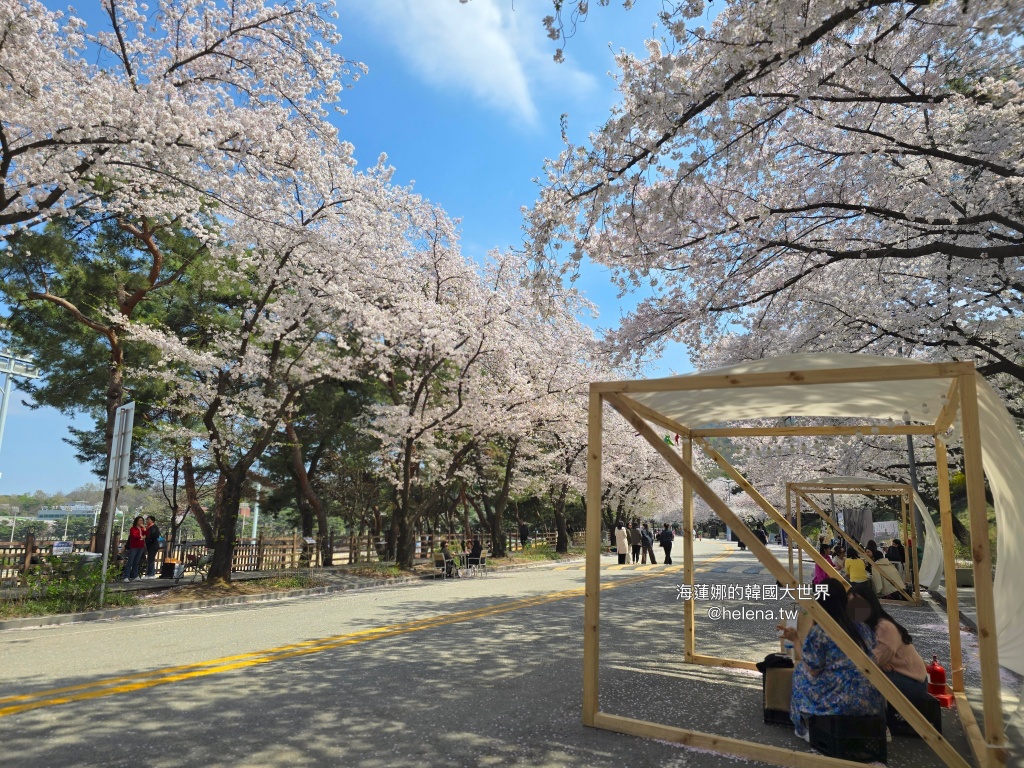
<point x="826" y="682"/>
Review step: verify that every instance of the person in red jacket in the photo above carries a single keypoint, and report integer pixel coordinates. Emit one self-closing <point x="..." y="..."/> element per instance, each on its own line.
<point x="136" y="548"/>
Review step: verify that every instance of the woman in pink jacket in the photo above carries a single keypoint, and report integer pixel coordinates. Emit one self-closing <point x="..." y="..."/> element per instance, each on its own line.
<point x="136" y="548"/>
<point x="894" y="647"/>
<point x="819" y="572"/>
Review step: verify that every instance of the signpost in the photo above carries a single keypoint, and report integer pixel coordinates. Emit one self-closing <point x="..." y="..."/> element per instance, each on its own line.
<point x="117" y="476"/>
<point x="63" y="547"/>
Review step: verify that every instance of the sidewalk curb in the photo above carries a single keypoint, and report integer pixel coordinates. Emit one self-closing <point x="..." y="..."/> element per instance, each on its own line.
<point x="964" y="618"/>
<point x="147" y="610"/>
<point x="59" y="619"/>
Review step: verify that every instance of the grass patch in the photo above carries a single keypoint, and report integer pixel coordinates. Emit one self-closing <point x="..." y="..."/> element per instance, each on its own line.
<point x="961" y="552"/>
<point x="279" y="583"/>
<point x="543" y="553"/>
<point x="376" y="570"/>
<point x="18" y="608"/>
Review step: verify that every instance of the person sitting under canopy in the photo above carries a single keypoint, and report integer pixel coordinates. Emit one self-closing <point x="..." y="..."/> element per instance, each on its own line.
<point x="826" y="681"/>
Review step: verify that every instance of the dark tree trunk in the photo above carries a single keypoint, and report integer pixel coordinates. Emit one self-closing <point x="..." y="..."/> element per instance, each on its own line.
<point x="228" y="500"/>
<point x="115" y="394"/>
<point x="562" y="540"/>
<point x="192" y="495"/>
<point x="498" y="514"/>
<point x="306" y="491"/>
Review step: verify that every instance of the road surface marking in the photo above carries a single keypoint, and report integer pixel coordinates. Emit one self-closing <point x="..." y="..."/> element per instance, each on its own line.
<point x="111" y="686"/>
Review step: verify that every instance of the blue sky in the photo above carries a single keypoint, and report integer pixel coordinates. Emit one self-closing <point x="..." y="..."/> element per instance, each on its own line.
<point x="465" y="100"/>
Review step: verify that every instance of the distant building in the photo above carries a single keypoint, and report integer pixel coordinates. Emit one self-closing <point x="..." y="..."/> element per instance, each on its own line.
<point x="75" y="509"/>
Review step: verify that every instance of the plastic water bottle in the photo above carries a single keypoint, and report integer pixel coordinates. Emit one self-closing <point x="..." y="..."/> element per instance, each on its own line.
<point x="788" y="646"/>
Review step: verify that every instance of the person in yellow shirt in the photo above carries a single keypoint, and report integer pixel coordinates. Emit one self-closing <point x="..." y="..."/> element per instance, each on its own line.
<point x="856" y="571"/>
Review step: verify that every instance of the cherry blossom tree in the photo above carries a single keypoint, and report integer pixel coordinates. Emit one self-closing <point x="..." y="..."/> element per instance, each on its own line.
<point x="635" y="480"/>
<point x="288" y="309"/>
<point x="536" y="398"/>
<point x="833" y="174"/>
<point x="160" y="119"/>
<point x="164" y="111"/>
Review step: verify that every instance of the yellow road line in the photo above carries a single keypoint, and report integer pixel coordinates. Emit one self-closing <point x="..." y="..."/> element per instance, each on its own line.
<point x="111" y="686"/>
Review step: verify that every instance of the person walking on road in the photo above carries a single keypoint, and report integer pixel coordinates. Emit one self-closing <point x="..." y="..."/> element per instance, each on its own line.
<point x="621" y="542"/>
<point x="647" y="545"/>
<point x="152" y="546"/>
<point x="665" y="538"/>
<point x="136" y="549"/>
<point x="635" y="542"/>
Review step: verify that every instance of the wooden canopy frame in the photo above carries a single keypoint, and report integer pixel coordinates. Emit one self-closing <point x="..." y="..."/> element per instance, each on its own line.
<point x="990" y="749"/>
<point x="797" y="492"/>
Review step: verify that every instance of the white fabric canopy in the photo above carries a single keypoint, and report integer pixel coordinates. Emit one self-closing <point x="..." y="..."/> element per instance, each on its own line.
<point x="1002" y="446"/>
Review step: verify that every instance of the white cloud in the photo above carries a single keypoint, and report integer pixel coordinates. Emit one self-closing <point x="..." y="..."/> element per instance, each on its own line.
<point x="492" y="49"/>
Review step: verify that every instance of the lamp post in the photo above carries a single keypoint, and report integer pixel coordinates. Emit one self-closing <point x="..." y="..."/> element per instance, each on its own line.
<point x="12" y="366"/>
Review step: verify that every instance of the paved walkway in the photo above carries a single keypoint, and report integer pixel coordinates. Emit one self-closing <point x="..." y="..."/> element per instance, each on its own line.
<point x="457" y="673"/>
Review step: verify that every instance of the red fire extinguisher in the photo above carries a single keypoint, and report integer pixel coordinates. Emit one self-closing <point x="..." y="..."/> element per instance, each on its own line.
<point x="936" y="677"/>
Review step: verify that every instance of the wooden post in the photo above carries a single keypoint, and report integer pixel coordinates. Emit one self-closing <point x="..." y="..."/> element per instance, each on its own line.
<point x="853" y="651"/>
<point x="988" y="650"/>
<point x="30" y="545"/>
<point x="903" y="540"/>
<point x="800" y="551"/>
<point x="956" y="663"/>
<point x="592" y="588"/>
<point x="259" y="552"/>
<point x="295" y="549"/>
<point x="689" y="634"/>
<point x="789" y="538"/>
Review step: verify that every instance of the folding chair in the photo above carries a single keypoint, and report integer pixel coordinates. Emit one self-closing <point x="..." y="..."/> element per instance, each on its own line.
<point x="196" y="565"/>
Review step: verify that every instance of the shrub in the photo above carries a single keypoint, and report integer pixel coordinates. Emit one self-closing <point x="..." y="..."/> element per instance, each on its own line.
<point x="59" y="585"/>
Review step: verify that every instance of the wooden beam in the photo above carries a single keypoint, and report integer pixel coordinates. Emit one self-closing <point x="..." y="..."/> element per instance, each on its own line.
<point x="770" y="510"/>
<point x="661" y="420"/>
<point x="846" y="644"/>
<point x="722" y="745"/>
<point x="592" y="583"/>
<point x="789" y="539"/>
<point x="689" y="612"/>
<point x="711" y="381"/>
<point x="956" y="657"/>
<point x="880" y="488"/>
<point x="850" y="540"/>
<point x="819" y="431"/>
<point x="971" y="729"/>
<point x="841" y="492"/>
<point x="800" y="537"/>
<point x="718" y="661"/>
<point x="988" y="649"/>
<point x="949" y="411"/>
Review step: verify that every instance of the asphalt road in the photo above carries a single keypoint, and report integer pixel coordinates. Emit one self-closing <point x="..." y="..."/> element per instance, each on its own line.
<point x="469" y="672"/>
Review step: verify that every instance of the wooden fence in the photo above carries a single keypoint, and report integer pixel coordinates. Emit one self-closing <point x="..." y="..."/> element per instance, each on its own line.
<point x="260" y="554"/>
<point x="366" y="549"/>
